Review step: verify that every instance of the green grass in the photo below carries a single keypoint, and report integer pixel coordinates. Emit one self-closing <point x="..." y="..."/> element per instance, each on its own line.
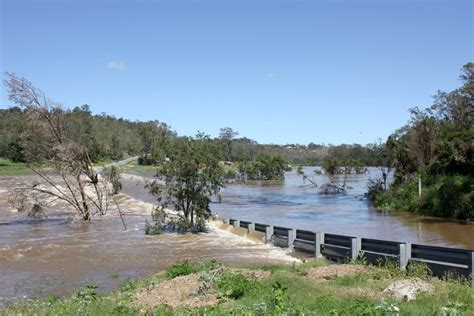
<point x="9" y="168"/>
<point x="133" y="166"/>
<point x="287" y="290"/>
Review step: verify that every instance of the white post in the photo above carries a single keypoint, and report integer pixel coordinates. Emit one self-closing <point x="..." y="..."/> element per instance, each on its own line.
<point x="319" y="240"/>
<point x="268" y="234"/>
<point x="251" y="227"/>
<point x="419" y="186"/>
<point x="355" y="247"/>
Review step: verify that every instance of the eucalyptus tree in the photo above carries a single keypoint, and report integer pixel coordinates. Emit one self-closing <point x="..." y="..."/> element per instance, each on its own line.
<point x="189" y="173"/>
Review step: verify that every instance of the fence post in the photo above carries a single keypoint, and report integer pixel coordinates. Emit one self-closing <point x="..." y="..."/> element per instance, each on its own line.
<point x="319" y="240"/>
<point x="405" y="254"/>
<point x="226" y="220"/>
<point x="236" y="223"/>
<point x="251" y="227"/>
<point x="355" y="247"/>
<point x="268" y="233"/>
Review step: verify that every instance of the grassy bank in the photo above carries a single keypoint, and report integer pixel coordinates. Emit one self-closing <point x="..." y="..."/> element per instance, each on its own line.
<point x="310" y="288"/>
<point x="9" y="168"/>
<point x="133" y="166"/>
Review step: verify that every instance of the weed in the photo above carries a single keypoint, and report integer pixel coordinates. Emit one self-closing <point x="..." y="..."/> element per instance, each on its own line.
<point x="234" y="285"/>
<point x="418" y="269"/>
<point x="280" y="298"/>
<point x="183" y="268"/>
<point x="88" y="294"/>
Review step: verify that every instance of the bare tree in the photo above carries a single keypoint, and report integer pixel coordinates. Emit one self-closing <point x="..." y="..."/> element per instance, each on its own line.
<point x="68" y="174"/>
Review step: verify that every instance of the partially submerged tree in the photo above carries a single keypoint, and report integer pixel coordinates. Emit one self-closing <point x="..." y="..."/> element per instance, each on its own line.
<point x="64" y="165"/>
<point x="188" y="175"/>
<point x="265" y="167"/>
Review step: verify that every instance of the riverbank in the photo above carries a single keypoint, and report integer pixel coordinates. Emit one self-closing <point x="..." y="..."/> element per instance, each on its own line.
<point x="313" y="287"/>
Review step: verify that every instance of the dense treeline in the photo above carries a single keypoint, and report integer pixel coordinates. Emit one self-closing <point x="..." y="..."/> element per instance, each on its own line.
<point x="436" y="147"/>
<point x="104" y="136"/>
<point x="110" y="138"/>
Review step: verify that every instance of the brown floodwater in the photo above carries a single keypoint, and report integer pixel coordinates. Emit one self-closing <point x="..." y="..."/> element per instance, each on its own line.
<point x="61" y="254"/>
<point x="292" y="203"/>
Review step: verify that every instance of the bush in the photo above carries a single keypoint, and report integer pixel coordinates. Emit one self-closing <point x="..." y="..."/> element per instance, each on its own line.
<point x="449" y="196"/>
<point x="233" y="285"/>
<point x="402" y="198"/>
<point x="183" y="268"/>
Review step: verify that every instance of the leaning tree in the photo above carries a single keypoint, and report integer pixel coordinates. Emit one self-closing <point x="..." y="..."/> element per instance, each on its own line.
<point x="63" y="165"/>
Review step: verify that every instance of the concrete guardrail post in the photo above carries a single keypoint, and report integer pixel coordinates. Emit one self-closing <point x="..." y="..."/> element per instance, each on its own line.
<point x="471" y="267"/>
<point x="226" y="220"/>
<point x="236" y="223"/>
<point x="318" y="241"/>
<point x="268" y="233"/>
<point x="355" y="247"/>
<point x="405" y="254"/>
<point x="251" y="227"/>
<point x="291" y="236"/>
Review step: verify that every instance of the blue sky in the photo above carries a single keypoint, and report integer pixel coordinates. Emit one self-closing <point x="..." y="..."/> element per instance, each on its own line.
<point x="275" y="71"/>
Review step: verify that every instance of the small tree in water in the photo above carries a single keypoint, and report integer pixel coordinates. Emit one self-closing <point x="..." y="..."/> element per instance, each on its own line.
<point x="188" y="175"/>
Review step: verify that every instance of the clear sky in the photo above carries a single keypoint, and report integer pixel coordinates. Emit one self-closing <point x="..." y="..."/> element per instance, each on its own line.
<point x="275" y="71"/>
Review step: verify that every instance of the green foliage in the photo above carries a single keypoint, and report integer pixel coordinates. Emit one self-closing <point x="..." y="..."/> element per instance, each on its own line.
<point x="191" y="172"/>
<point x="266" y="167"/>
<point x="158" y="217"/>
<point x="436" y="144"/>
<point x="401" y="198"/>
<point x="285" y="292"/>
<point x="280" y="298"/>
<point x="449" y="196"/>
<point x="331" y="165"/>
<point x="88" y="294"/>
<point x="179" y="269"/>
<point x="234" y="285"/>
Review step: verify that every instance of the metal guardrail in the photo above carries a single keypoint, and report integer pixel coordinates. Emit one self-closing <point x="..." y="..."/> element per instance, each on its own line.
<point x="440" y="260"/>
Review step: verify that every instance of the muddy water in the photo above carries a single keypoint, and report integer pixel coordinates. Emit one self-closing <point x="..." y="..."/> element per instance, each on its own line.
<point x="61" y="254"/>
<point x="292" y="204"/>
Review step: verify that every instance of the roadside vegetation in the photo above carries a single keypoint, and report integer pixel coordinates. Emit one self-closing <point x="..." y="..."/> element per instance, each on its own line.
<point x="433" y="156"/>
<point x="310" y="288"/>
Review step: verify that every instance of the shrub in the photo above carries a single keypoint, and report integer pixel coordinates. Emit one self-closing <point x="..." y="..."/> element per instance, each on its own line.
<point x="183" y="268"/>
<point x="233" y="285"/>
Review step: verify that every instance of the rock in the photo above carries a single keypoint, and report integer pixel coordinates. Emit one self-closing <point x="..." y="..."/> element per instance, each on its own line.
<point x="407" y="290"/>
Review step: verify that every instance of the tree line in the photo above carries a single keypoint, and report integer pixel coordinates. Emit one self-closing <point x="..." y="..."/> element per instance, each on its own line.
<point x="433" y="157"/>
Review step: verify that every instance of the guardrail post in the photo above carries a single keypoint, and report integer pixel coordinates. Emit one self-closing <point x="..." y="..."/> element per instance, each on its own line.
<point x="355" y="247"/>
<point x="251" y="227"/>
<point x="268" y="233"/>
<point x="319" y="240"/>
<point x="291" y="236"/>
<point x="226" y="220"/>
<point x="471" y="267"/>
<point x="405" y="254"/>
<point x="236" y="223"/>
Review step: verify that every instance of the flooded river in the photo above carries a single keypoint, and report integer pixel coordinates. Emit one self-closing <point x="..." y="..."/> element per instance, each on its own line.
<point x="293" y="203"/>
<point x="60" y="254"/>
